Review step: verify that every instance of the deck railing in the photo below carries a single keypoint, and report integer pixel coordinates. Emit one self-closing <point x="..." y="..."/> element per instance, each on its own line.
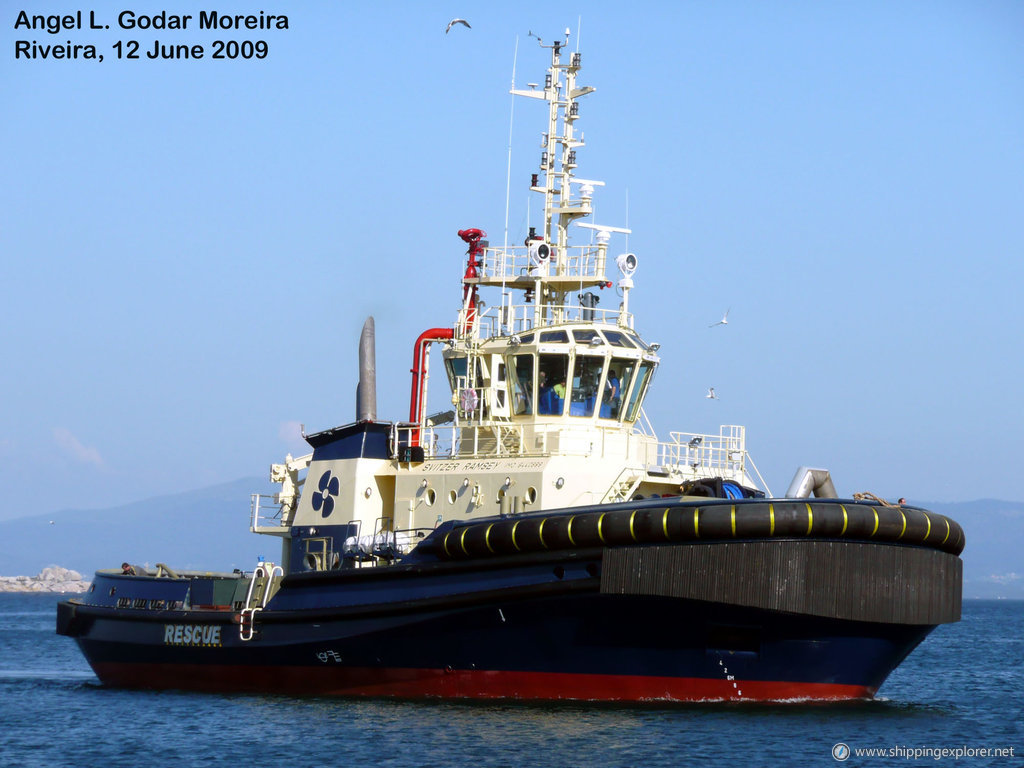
<point x="267" y="514"/>
<point x="686" y="453"/>
<point x="581" y="262"/>
<point x="521" y="318"/>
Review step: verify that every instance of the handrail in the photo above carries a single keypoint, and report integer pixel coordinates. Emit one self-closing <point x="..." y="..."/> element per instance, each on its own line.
<point x="247" y="630"/>
<point x="269" y="516"/>
<point x="571" y="262"/>
<point x="498" y="321"/>
<point x="686" y="454"/>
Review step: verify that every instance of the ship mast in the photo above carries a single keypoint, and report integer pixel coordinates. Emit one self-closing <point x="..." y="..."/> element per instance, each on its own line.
<point x="557" y="163"/>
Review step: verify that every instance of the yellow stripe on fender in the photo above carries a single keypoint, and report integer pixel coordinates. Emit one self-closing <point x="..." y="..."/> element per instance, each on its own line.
<point x="568" y="530"/>
<point x="810" y="518"/>
<point x="771" y="519"/>
<point x="947" y="530"/>
<point x="540" y="532"/>
<point x="632" y="532"/>
<point x="904" y="525"/>
<point x="446" y="550"/>
<point x="462" y="539"/>
<point x="929" y="531"/>
<point x="876" y="521"/>
<point x="732" y="515"/>
<point x="664" y="525"/>
<point x="696" y="522"/>
<point x="487" y="537"/>
<point x="600" y="520"/>
<point x="846" y="520"/>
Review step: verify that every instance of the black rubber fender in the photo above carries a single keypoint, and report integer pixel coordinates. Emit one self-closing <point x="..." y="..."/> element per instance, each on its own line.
<point x="683" y="521"/>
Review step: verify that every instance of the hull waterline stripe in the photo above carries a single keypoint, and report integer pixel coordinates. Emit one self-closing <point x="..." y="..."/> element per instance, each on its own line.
<point x="448" y="683"/>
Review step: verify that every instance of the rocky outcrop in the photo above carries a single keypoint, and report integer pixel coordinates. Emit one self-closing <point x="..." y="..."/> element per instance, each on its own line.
<point x="52" y="579"/>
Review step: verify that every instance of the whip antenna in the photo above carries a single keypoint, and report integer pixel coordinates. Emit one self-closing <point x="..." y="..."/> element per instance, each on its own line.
<point x="511" y="117"/>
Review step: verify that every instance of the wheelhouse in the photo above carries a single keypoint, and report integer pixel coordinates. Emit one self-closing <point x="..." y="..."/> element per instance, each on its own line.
<point x="574" y="371"/>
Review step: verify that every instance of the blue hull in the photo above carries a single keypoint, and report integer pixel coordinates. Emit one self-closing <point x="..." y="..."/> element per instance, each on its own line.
<point x="544" y="627"/>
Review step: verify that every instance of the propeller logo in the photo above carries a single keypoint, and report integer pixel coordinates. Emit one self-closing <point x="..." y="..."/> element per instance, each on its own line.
<point x="327" y="489"/>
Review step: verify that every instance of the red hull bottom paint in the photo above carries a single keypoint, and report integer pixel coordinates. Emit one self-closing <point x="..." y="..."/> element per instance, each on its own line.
<point x="465" y="684"/>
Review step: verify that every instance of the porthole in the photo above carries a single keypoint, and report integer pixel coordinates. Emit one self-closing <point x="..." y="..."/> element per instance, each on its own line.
<point x="430" y="497"/>
<point x="451" y="497"/>
<point x="501" y="494"/>
<point x="531" y="495"/>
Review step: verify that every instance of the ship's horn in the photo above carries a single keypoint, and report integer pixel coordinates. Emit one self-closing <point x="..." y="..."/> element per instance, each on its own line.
<point x="366" y="390"/>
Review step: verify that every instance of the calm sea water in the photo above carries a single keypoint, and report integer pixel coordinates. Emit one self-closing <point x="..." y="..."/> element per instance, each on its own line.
<point x="963" y="687"/>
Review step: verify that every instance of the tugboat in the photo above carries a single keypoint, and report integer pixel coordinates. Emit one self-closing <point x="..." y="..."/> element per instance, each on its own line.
<point x="537" y="540"/>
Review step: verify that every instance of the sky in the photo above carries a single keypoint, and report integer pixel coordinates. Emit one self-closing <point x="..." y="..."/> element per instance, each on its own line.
<point x="189" y="247"/>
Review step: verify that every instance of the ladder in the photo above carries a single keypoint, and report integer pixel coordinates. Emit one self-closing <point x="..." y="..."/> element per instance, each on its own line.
<point x="624" y="485"/>
<point x="256" y="598"/>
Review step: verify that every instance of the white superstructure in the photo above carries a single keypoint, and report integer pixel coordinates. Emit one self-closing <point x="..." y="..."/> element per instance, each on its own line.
<point x="547" y="389"/>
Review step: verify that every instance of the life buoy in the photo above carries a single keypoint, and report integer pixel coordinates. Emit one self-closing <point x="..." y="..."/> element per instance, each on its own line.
<point x="469" y="400"/>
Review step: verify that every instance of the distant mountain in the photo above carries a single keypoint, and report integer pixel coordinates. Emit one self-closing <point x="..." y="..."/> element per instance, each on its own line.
<point x="208" y="529"/>
<point x="994" y="557"/>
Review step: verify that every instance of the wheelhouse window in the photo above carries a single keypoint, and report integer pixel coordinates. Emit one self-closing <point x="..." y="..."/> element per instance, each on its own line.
<point x="636" y="396"/>
<point x="586" y="382"/>
<point x="618" y="339"/>
<point x="585" y="335"/>
<point x="554" y="337"/>
<point x="620" y="376"/>
<point x="552" y="373"/>
<point x="522" y="385"/>
<point x="456" y="369"/>
<point x="500" y="387"/>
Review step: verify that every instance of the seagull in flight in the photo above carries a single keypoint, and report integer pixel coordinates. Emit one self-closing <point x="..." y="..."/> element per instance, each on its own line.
<point x="453" y="22"/>
<point x="724" y="320"/>
<point x="711" y="394"/>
